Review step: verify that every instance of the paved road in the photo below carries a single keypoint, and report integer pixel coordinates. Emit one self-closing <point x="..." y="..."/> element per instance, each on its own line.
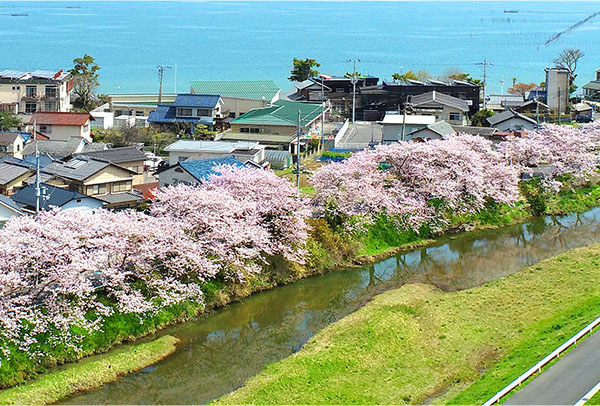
<point x="565" y="382"/>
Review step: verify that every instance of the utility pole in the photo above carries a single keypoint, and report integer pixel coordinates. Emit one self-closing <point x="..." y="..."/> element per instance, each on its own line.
<point x="354" y="88"/>
<point x="558" y="104"/>
<point x="161" y="73"/>
<point x="322" y="114"/>
<point x="485" y="64"/>
<point x="537" y="112"/>
<point x="404" y="118"/>
<point x="38" y="190"/>
<point x="298" y="156"/>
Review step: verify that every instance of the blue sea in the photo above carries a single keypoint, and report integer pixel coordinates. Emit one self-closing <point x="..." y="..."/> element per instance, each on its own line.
<point x="258" y="40"/>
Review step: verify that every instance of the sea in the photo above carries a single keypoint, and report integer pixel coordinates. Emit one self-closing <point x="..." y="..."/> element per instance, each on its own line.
<point x="257" y="40"/>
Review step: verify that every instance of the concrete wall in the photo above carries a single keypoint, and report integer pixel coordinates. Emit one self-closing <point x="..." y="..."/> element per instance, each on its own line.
<point x="241" y="106"/>
<point x="557" y="87"/>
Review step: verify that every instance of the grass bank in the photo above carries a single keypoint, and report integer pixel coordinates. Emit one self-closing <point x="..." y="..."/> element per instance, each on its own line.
<point x="416" y="342"/>
<point x="88" y="376"/>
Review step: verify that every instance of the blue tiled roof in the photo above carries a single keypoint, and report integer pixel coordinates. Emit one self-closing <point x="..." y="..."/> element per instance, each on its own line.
<point x="201" y="169"/>
<point x="56" y="196"/>
<point x="197" y="100"/>
<point x="7" y="201"/>
<point x="29" y="160"/>
<point x="166" y="114"/>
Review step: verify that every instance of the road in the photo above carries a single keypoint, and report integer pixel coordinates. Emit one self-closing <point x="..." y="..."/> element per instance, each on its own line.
<point x="568" y="380"/>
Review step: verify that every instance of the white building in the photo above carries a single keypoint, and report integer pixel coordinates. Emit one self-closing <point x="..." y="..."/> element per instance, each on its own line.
<point x="243" y="151"/>
<point x="103" y="119"/>
<point x="393" y="125"/>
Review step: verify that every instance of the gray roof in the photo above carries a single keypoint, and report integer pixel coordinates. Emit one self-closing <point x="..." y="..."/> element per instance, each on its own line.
<point x="439" y="127"/>
<point x="10" y="203"/>
<point x="94" y="146"/>
<point x="9" y="172"/>
<point x="469" y="129"/>
<point x="121" y="198"/>
<point x="118" y="155"/>
<point x="593" y="85"/>
<point x="441" y="98"/>
<point x="507" y="115"/>
<point x="54" y="148"/>
<point x="8" y="137"/>
<point x="79" y="168"/>
<point x="55" y="196"/>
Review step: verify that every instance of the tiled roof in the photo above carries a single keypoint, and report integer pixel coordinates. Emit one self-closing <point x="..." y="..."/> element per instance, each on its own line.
<point x="440" y="98"/>
<point x="473" y="130"/>
<point x="209" y="146"/>
<point x="10" y="203"/>
<point x="241" y="89"/>
<point x="148" y="190"/>
<point x="125" y="197"/>
<point x="118" y="155"/>
<point x="507" y="115"/>
<point x="60" y="118"/>
<point x="203" y="168"/>
<point x="197" y="100"/>
<point x="592" y="85"/>
<point x="282" y="112"/>
<point x="9" y="172"/>
<point x="54" y="196"/>
<point x="166" y="114"/>
<point x="28" y="160"/>
<point x="441" y="128"/>
<point x="8" y="137"/>
<point x="79" y="168"/>
<point x="58" y="149"/>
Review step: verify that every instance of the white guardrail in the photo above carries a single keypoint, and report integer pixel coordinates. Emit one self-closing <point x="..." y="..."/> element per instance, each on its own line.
<point x="538" y="367"/>
<point x="341" y="133"/>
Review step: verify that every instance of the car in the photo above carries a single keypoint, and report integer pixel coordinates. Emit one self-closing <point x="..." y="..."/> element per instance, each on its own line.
<point x="583" y="118"/>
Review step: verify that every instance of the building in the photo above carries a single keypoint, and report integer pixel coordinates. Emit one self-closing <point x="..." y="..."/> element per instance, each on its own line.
<point x="435" y="131"/>
<point x="239" y="96"/>
<point x="190" y="109"/>
<point x="444" y="107"/>
<point x="131" y="158"/>
<point x="393" y="126"/>
<point x="243" y="151"/>
<point x="194" y="172"/>
<point x="59" y="126"/>
<point x="510" y="120"/>
<point x="311" y="89"/>
<point x="500" y="102"/>
<point x="11" y="144"/>
<point x="591" y="90"/>
<point x="62" y="149"/>
<point x="13" y="176"/>
<point x="103" y="120"/>
<point x="27" y="92"/>
<point x="137" y="105"/>
<point x="8" y="209"/>
<point x="278" y="160"/>
<point x="277" y="125"/>
<point x="53" y="196"/>
<point x="557" y="89"/>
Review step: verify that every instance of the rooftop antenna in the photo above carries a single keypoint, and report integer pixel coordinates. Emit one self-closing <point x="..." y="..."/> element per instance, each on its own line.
<point x="161" y="73"/>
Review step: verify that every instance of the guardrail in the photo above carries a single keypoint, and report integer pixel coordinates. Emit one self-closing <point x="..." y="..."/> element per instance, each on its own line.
<point x="341" y="133"/>
<point x="538" y="367"/>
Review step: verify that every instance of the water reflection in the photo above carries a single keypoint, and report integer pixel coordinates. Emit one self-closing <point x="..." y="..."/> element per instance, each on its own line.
<point x="219" y="352"/>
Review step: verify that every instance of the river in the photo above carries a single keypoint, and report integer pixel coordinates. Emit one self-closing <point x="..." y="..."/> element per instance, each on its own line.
<point x="221" y="350"/>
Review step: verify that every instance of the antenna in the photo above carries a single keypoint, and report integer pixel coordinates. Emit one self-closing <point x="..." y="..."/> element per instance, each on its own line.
<point x="161" y="73"/>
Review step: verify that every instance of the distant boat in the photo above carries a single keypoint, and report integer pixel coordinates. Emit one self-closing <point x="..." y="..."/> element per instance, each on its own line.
<point x="19" y="14"/>
<point x="511" y="11"/>
<point x="73" y="7"/>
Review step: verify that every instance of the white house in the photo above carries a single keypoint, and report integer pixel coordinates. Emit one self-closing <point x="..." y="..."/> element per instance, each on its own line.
<point x="103" y="119"/>
<point x="60" y="126"/>
<point x="243" y="151"/>
<point x="444" y="107"/>
<point x="393" y="125"/>
<point x="511" y="120"/>
<point x="11" y="144"/>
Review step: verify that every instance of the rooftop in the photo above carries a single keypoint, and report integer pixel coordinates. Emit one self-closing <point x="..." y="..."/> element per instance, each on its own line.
<point x="54" y="196"/>
<point x="241" y="89"/>
<point x="441" y="128"/>
<point x="79" y="168"/>
<point x="211" y="146"/>
<point x="60" y="118"/>
<point x="10" y="203"/>
<point x="473" y="130"/>
<point x="58" y="75"/>
<point x="117" y="198"/>
<point x="197" y="100"/>
<point x="118" y="155"/>
<point x="61" y="149"/>
<point x="282" y="112"/>
<point x="11" y="171"/>
<point x="410" y="119"/>
<point x="8" y="137"/>
<point x="507" y="115"/>
<point x="202" y="169"/>
<point x="440" y="98"/>
<point x="167" y="114"/>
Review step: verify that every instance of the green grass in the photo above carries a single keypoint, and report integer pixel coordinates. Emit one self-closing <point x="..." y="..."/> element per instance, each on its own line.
<point x="595" y="400"/>
<point x="416" y="342"/>
<point x="90" y="375"/>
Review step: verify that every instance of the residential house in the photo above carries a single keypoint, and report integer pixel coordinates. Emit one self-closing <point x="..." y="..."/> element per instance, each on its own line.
<point x="131" y="158"/>
<point x="320" y="88"/>
<point x="277" y="125"/>
<point x="239" y="96"/>
<point x="27" y="92"/>
<point x="62" y="149"/>
<point x="192" y="109"/>
<point x="8" y="209"/>
<point x="53" y="196"/>
<point x="95" y="177"/>
<point x="557" y="89"/>
<point x="501" y="102"/>
<point x="13" y="176"/>
<point x="11" y="144"/>
<point x="510" y="120"/>
<point x="137" y="105"/>
<point x="444" y="107"/>
<point x="244" y="151"/>
<point x="591" y="90"/>
<point x="103" y="120"/>
<point x="394" y="125"/>
<point x="435" y="131"/>
<point x="59" y="126"/>
<point x="194" y="172"/>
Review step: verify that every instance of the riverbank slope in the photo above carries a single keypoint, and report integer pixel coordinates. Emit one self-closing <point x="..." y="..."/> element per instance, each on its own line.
<point x="416" y="342"/>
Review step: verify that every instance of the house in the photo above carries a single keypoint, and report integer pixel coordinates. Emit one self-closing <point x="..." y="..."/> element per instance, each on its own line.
<point x="8" y="209"/>
<point x="591" y="90"/>
<point x="393" y="125"/>
<point x="501" y="102"/>
<point x="137" y="105"/>
<point x="444" y="107"/>
<point x="53" y="196"/>
<point x="532" y="107"/>
<point x="239" y="96"/>
<point x="557" y="89"/>
<point x="194" y="172"/>
<point x="13" y="176"/>
<point x="95" y="177"/>
<point x="277" y="125"/>
<point x="474" y="130"/>
<point x="62" y="149"/>
<point x="510" y="120"/>
<point x="131" y="158"/>
<point x="435" y="131"/>
<point x="244" y="151"/>
<point x="103" y="120"/>
<point x="191" y="109"/>
<point x="27" y="92"/>
<point x="59" y="126"/>
<point x="311" y="89"/>
<point x="11" y="144"/>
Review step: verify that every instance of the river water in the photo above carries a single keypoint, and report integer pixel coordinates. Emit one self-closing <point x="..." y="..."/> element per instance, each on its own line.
<point x="220" y="351"/>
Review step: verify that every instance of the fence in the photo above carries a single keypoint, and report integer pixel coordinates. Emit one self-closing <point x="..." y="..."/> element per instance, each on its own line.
<point x="341" y="133"/>
<point x="538" y="367"/>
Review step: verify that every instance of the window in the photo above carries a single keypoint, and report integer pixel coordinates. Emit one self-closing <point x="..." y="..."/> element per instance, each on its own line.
<point x="249" y="130"/>
<point x="96" y="189"/>
<point x="31" y="91"/>
<point x="46" y="129"/>
<point x="139" y="113"/>
<point x="232" y="115"/>
<point x="184" y="112"/>
<point x="3" y="148"/>
<point x="203" y="112"/>
<point x="30" y="108"/>
<point x="50" y="106"/>
<point x="454" y="116"/>
<point x="123" y="186"/>
<point x="339" y="89"/>
<point x="51" y="91"/>
<point x="254" y="130"/>
<point x="16" y="88"/>
<point x="244" y="130"/>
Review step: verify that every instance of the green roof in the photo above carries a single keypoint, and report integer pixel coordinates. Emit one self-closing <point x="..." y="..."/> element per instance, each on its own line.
<point x="241" y="89"/>
<point x="282" y="112"/>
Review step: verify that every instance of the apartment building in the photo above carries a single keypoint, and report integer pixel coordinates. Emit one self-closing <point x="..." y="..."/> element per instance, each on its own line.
<point x="27" y="92"/>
